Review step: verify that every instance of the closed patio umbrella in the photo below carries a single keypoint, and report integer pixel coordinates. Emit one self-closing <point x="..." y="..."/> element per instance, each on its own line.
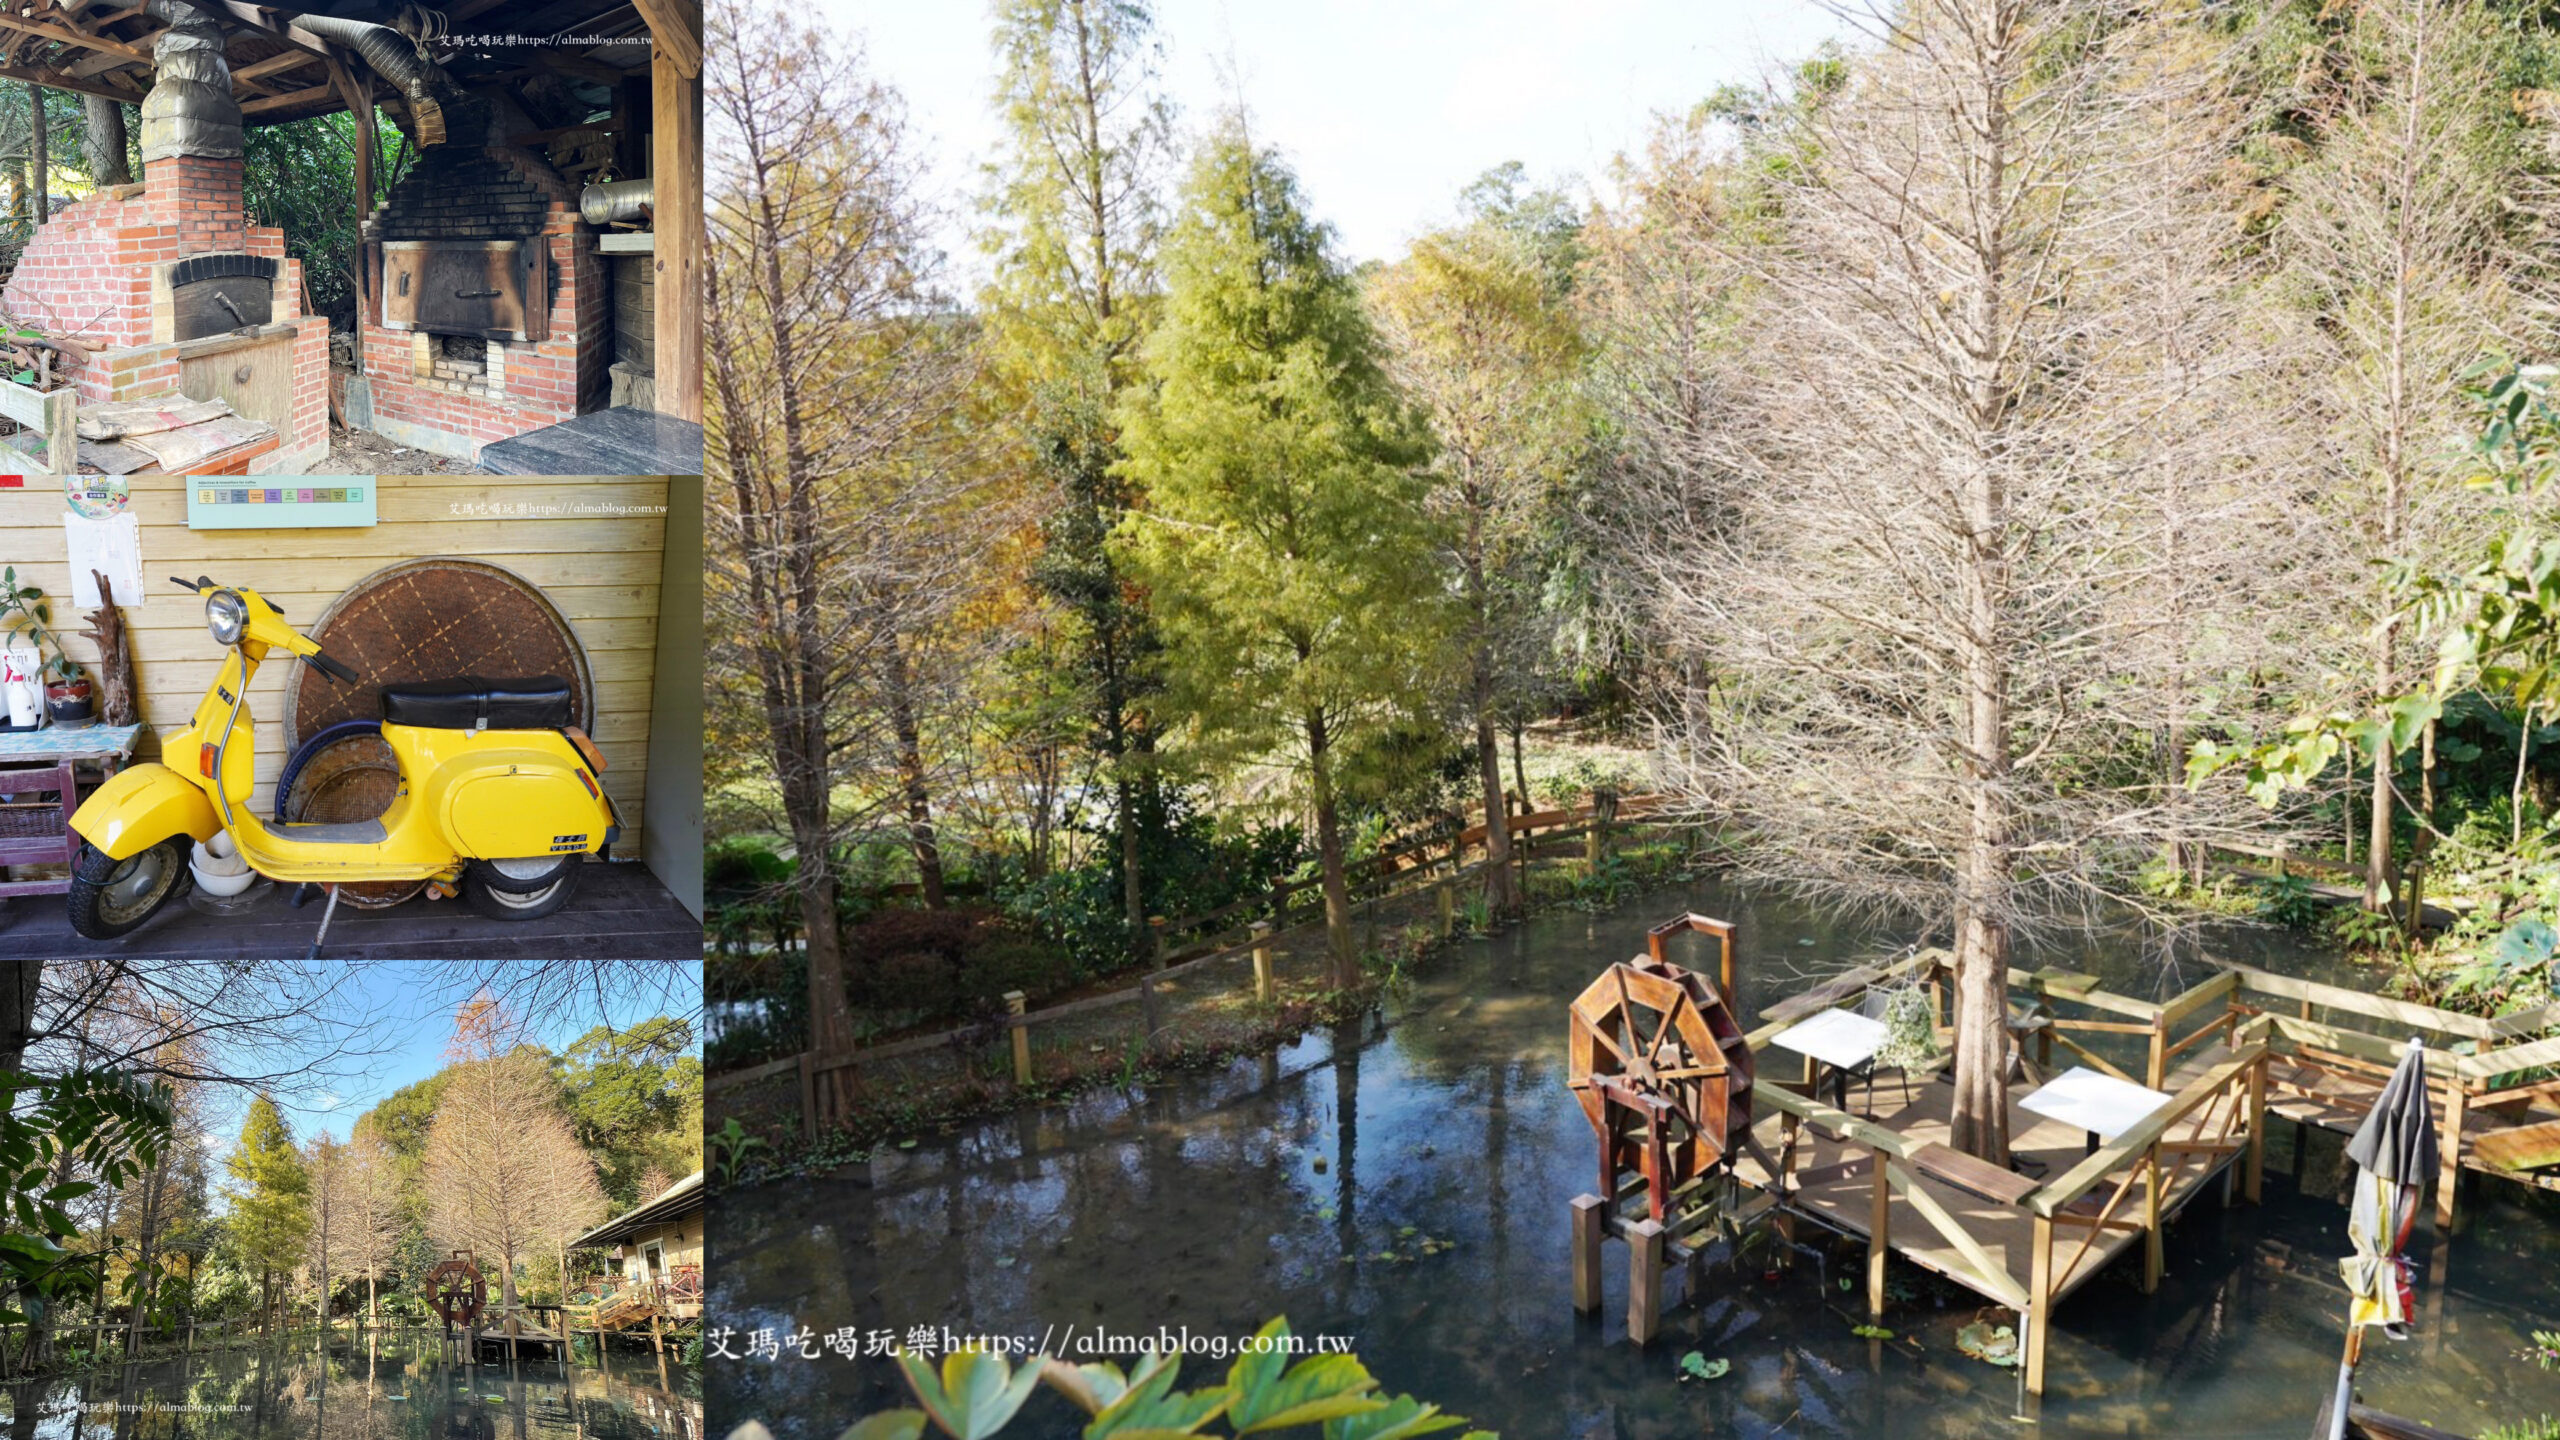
<point x="2394" y="1151"/>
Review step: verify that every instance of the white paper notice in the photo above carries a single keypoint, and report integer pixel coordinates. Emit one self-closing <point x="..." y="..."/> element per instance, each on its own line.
<point x="113" y="548"/>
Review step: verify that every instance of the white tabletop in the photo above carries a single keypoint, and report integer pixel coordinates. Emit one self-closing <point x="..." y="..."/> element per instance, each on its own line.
<point x="2094" y="1101"/>
<point x="1841" y="1038"/>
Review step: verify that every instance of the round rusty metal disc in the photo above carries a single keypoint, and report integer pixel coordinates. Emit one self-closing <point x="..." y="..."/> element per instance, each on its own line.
<point x="435" y="619"/>
<point x="353" y="777"/>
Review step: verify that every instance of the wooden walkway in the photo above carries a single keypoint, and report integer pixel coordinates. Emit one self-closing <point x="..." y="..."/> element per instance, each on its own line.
<point x="1833" y="1183"/>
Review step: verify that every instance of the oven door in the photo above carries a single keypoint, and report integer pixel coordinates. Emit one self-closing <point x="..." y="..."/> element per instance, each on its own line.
<point x="495" y="289"/>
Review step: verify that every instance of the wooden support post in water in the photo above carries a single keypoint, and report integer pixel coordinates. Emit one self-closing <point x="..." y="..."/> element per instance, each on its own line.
<point x="2449" y="1176"/>
<point x="2038" y="1321"/>
<point x="1016" y="1004"/>
<point x="2253" y="1178"/>
<point x="1262" y="958"/>
<point x="2151" y="1248"/>
<point x="1590" y="1230"/>
<point x="1879" y="1216"/>
<point x="1644" y="1281"/>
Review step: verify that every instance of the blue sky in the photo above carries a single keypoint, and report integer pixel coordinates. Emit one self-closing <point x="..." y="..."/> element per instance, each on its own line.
<point x="409" y="1008"/>
<point x="1385" y="109"/>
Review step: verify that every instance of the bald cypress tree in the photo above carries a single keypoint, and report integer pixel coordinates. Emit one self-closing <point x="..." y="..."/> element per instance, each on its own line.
<point x="1285" y="544"/>
<point x="271" y="1204"/>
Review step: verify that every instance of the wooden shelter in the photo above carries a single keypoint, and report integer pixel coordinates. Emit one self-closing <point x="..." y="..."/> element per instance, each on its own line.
<point x="657" y="1248"/>
<point x="618" y="81"/>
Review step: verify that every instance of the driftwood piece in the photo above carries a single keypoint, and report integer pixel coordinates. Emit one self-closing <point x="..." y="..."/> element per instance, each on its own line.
<point x="115" y="661"/>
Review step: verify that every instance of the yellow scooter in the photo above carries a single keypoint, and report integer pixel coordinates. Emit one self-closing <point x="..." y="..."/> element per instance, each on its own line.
<point x="497" y="791"/>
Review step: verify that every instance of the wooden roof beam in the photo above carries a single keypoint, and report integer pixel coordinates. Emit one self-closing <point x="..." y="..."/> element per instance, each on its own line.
<point x="675" y="27"/>
<point x="73" y="38"/>
<point x="57" y="80"/>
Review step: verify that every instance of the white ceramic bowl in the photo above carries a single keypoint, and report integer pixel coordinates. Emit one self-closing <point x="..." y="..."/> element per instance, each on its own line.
<point x="211" y="861"/>
<point x="213" y="884"/>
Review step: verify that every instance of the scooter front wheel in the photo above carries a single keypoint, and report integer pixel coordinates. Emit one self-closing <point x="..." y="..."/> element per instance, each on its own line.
<point x="526" y="889"/>
<point x="111" y="897"/>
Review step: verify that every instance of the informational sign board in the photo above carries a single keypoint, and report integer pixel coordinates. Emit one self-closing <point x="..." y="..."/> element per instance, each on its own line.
<point x="308" y="502"/>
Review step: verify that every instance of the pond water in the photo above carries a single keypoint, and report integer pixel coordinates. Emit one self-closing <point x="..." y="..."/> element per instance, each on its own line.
<point x="387" y="1384"/>
<point x="1215" y="1201"/>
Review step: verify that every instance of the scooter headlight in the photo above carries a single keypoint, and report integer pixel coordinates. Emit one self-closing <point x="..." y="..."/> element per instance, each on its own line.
<point x="226" y="615"/>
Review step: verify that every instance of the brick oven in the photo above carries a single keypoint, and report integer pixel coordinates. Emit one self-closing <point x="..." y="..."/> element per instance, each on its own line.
<point x="167" y="283"/>
<point x="492" y="310"/>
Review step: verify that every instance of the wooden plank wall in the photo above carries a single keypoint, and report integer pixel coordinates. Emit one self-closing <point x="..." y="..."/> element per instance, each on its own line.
<point x="601" y="570"/>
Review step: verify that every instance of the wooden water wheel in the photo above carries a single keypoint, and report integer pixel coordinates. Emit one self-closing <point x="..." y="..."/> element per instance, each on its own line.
<point x="456" y="1290"/>
<point x="1662" y="1072"/>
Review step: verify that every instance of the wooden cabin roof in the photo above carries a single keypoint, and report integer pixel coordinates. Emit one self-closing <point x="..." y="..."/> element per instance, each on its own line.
<point x="676" y="1202"/>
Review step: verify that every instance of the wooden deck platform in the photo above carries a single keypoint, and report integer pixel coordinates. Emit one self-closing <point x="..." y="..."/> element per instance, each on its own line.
<point x="1833" y="1183"/>
<point x="2512" y="1140"/>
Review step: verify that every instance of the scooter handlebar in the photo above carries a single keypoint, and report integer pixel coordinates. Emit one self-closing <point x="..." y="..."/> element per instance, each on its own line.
<point x="331" y="668"/>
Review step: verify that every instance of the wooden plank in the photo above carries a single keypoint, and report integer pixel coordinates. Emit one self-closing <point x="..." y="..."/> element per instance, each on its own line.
<point x="675" y="29"/>
<point x="1972" y="1174"/>
<point x="2199" y="997"/>
<point x="2511" y="1058"/>
<point x="1822" y="997"/>
<point x="2522" y="1147"/>
<point x="1988" y="1275"/>
<point x="2379" y="1007"/>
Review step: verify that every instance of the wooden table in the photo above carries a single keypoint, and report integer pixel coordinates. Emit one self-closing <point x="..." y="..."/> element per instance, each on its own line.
<point x="2094" y="1101"/>
<point x="40" y="762"/>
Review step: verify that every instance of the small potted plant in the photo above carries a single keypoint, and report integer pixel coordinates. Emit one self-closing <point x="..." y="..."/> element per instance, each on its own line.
<point x="24" y="612"/>
<point x="66" y="691"/>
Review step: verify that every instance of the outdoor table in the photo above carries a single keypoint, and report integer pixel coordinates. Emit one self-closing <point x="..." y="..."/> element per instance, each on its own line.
<point x="34" y="762"/>
<point x="1841" y="1039"/>
<point x="2095" y="1102"/>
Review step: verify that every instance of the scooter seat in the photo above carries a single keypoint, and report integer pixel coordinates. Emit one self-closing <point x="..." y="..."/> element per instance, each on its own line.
<point x="471" y="703"/>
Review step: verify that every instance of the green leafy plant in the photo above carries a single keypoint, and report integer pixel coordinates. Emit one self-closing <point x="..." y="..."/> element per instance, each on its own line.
<point x="1696" y="1366"/>
<point x="2288" y="900"/>
<point x="2360" y="929"/>
<point x="2543" y="1428"/>
<point x="730" y="1147"/>
<point x="24" y="611"/>
<point x="1910" y="1029"/>
<point x="109" y="1125"/>
<point x="976" y="1394"/>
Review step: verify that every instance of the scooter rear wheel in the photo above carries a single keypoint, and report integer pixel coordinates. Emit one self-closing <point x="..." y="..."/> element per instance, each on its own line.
<point x="525" y="889"/>
<point x="111" y="897"/>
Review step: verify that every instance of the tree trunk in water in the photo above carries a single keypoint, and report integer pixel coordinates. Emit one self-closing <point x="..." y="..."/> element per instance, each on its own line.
<point x="1501" y="895"/>
<point x="902" y="720"/>
<point x="107" y="162"/>
<point x="830" y="1023"/>
<point x="1337" y="886"/>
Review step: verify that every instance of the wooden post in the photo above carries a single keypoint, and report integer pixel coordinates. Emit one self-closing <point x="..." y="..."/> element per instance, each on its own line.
<point x="2038" y="1321"/>
<point x="1262" y="959"/>
<point x="1591" y="845"/>
<point x="358" y="93"/>
<point x="2449" y="1175"/>
<point x="2159" y="1065"/>
<point x="2252" y="1179"/>
<point x="808" y="1100"/>
<point x="1590" y="1229"/>
<point x="1448" y="892"/>
<point x="1644" y="1281"/>
<point x="2151" y="1248"/>
<point x="1015" y="1005"/>
<point x="675" y="113"/>
<point x="1879" y="1216"/>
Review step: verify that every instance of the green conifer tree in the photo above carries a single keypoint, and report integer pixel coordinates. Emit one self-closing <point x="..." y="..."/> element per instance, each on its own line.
<point x="271" y="1204"/>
